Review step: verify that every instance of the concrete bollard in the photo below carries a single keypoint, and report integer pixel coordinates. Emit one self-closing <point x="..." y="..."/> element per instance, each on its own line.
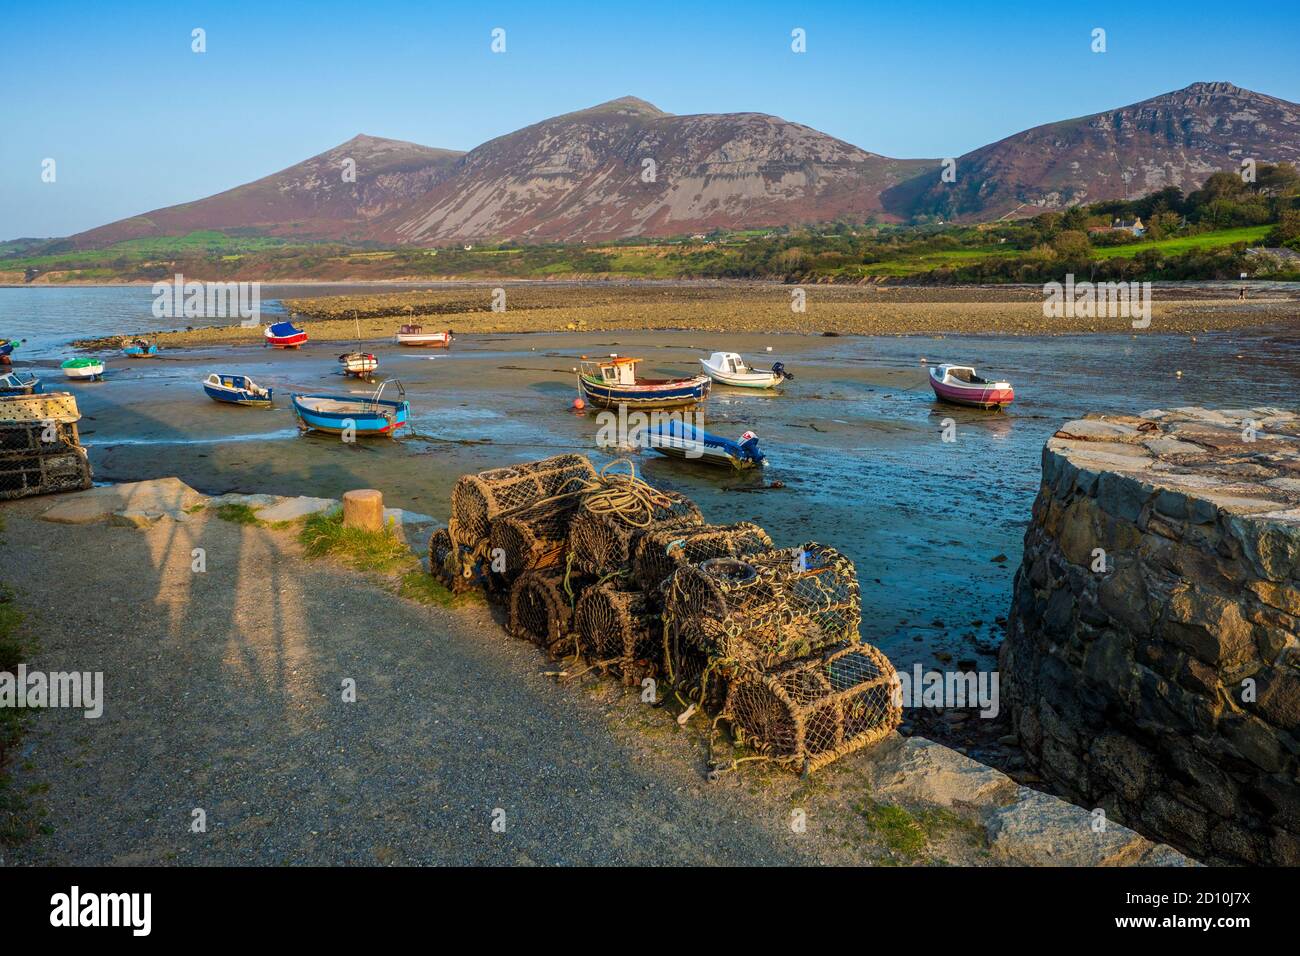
<point x="364" y="509"/>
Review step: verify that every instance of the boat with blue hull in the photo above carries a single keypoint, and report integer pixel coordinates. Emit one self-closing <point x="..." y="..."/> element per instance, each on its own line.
<point x="19" y="383"/>
<point x="7" y="347"/>
<point x="236" y="390"/>
<point x="680" y="439"/>
<point x="140" y="348"/>
<point x="613" y="381"/>
<point x="343" y="414"/>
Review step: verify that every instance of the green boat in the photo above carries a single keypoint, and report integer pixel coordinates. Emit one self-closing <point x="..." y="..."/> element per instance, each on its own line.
<point x="89" y="368"/>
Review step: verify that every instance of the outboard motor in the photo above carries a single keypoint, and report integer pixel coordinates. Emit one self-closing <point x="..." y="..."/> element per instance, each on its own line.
<point x="749" y="448"/>
<point x="779" y="369"/>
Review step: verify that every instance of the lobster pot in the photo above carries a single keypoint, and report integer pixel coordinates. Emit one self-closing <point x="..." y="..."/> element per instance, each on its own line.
<point x="661" y="551"/>
<point x="808" y="713"/>
<point x="42" y="473"/>
<point x="477" y="499"/>
<point x="38" y="438"/>
<point x="457" y="567"/>
<point x="534" y="538"/>
<point x="603" y="542"/>
<point x="540" y="611"/>
<point x="617" y="627"/>
<point x="690" y="669"/>
<point x="765" y="609"/>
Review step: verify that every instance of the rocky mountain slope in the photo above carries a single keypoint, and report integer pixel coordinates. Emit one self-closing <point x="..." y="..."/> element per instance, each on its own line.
<point x="1176" y="139"/>
<point x="626" y="168"/>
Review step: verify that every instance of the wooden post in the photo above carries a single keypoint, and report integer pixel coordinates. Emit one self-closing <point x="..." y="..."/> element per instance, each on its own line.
<point x="364" y="509"/>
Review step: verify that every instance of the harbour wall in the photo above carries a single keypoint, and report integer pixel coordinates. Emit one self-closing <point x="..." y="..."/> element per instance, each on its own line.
<point x="1152" y="663"/>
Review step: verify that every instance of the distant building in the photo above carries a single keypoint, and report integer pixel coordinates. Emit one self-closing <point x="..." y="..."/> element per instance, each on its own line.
<point x="1133" y="227"/>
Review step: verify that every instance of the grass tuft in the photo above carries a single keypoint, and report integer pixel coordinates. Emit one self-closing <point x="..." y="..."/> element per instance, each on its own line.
<point x="426" y="589"/>
<point x="237" y="514"/>
<point x="324" y="535"/>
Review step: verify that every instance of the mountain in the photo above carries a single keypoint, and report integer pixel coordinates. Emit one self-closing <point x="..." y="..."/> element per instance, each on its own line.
<point x="589" y="176"/>
<point x="626" y="168"/>
<point x="311" y="200"/>
<point x="1176" y="139"/>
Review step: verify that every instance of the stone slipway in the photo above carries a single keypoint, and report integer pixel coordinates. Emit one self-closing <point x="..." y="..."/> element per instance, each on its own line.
<point x="223" y="693"/>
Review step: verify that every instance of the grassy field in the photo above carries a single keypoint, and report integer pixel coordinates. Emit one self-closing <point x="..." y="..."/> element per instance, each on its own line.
<point x="1173" y="247"/>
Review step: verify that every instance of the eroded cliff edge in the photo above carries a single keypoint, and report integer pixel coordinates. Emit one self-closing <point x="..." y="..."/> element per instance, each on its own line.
<point x="1152" y="661"/>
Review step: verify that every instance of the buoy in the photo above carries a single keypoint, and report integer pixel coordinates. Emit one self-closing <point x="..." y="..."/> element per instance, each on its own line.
<point x="579" y="404"/>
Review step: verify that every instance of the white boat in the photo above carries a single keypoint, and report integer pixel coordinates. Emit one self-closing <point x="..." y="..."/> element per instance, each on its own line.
<point x="358" y="363"/>
<point x="960" y="385"/>
<point x="415" y="335"/>
<point x="730" y="369"/>
<point x="19" y="383"/>
<point x="83" y="368"/>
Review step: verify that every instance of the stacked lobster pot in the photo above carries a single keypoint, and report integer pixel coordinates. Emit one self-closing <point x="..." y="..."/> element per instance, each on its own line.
<point x="769" y="641"/>
<point x="40" y="448"/>
<point x="631" y="579"/>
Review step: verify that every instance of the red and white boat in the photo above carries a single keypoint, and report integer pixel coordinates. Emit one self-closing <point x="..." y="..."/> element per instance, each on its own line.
<point x="960" y="385"/>
<point x="415" y="335"/>
<point x="284" y="335"/>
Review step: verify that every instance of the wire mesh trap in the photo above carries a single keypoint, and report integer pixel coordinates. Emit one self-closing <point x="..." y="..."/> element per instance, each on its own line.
<point x="42" y="474"/>
<point x="540" y="608"/>
<point x="806" y="714"/>
<point x="534" y="538"/>
<point x="662" y="550"/>
<point x="764" y="609"/>
<point x="42" y="438"/>
<point x="615" y="628"/>
<point x="602" y="540"/>
<point x="477" y="499"/>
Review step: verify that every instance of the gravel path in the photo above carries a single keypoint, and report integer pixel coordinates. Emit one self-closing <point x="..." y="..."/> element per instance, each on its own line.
<point x="223" y="692"/>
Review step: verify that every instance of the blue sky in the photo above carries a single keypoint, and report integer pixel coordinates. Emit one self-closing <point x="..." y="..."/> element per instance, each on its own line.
<point x="135" y="120"/>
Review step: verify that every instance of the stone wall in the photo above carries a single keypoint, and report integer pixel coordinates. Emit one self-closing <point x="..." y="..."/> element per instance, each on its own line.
<point x="1152" y="663"/>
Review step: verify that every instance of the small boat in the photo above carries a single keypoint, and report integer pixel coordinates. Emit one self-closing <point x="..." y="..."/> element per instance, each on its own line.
<point x="236" y="390"/>
<point x="960" y="385"/>
<point x="83" y="368"/>
<point x="19" y="383"/>
<point x="415" y="335"/>
<point x="683" y="440"/>
<point x="284" y="335"/>
<point x="613" y="381"/>
<point x="140" y="348"/>
<point x="7" y="347"/>
<point x="730" y="369"/>
<point x="359" y="364"/>
<point x="339" y="414"/>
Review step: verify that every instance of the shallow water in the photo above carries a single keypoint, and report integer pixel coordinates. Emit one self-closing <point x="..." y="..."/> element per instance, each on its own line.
<point x="856" y="438"/>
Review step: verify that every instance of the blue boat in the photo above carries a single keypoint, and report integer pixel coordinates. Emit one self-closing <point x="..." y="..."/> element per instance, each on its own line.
<point x="680" y="439"/>
<point x="140" y="348"/>
<point x="613" y="381"/>
<point x="341" y="414"/>
<point x="6" y="349"/>
<point x="236" y="390"/>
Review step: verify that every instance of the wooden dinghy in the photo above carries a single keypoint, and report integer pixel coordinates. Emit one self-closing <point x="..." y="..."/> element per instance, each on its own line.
<point x="613" y="381"/>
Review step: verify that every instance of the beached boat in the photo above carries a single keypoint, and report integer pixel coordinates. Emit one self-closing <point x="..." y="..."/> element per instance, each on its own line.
<point x="284" y="335"/>
<point x="7" y="347"/>
<point x="236" y="390"/>
<point x="960" y="385"/>
<point x="140" y="348"/>
<point x="341" y="414"/>
<point x="730" y="369"/>
<point x="19" y="383"/>
<point x="83" y="368"/>
<point x="359" y="364"/>
<point x="416" y="336"/>
<point x="681" y="439"/>
<point x="613" y="381"/>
